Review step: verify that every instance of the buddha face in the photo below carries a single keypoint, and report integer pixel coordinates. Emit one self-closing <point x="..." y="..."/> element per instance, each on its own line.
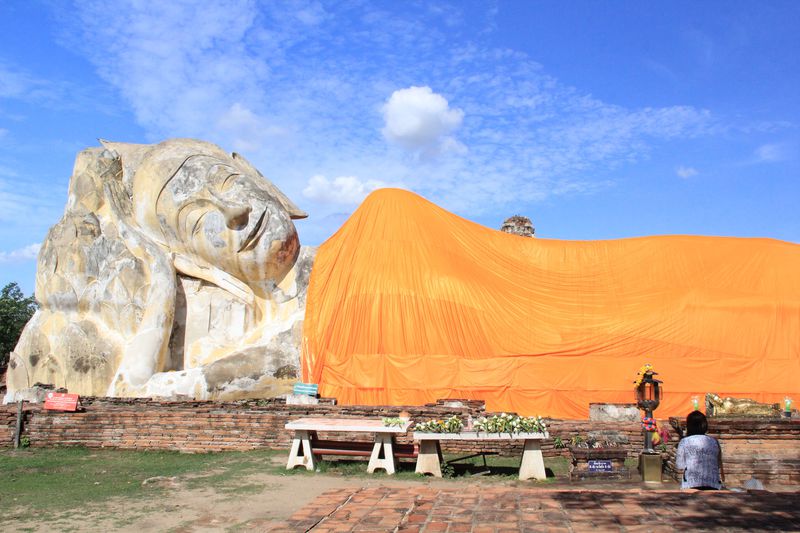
<point x="218" y="208"/>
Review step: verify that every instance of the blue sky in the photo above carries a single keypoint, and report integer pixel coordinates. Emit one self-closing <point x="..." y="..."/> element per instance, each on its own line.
<point x="597" y="120"/>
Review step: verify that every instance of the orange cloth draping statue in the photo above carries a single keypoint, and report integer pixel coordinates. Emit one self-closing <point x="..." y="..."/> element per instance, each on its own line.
<point x="409" y="303"/>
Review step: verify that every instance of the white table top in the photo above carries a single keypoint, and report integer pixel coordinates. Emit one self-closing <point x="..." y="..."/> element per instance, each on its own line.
<point x="475" y="435"/>
<point x="361" y="425"/>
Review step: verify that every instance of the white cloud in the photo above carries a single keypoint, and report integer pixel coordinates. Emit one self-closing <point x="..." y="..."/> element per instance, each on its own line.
<point x="18" y="83"/>
<point x="15" y="83"/>
<point x="771" y="153"/>
<point x="685" y="172"/>
<point x="21" y="254"/>
<point x="304" y="90"/>
<point x="341" y="190"/>
<point x="180" y="67"/>
<point x="247" y="130"/>
<point x="419" y="119"/>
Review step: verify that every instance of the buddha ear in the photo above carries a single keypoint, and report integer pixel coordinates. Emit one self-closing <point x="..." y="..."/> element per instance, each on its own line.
<point x="294" y="211"/>
<point x="131" y="156"/>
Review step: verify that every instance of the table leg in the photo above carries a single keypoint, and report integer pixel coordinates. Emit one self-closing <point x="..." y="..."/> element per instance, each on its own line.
<point x="306" y="459"/>
<point x="382" y="442"/>
<point x="428" y="460"/>
<point x="532" y="465"/>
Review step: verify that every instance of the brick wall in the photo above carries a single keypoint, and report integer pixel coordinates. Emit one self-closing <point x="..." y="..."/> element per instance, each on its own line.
<point x="200" y="426"/>
<point x="769" y="451"/>
<point x="8" y="420"/>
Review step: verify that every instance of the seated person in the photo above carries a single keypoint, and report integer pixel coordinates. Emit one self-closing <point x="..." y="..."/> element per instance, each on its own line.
<point x="699" y="456"/>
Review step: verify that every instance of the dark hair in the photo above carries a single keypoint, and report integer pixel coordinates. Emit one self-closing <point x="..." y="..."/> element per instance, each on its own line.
<point x="696" y="424"/>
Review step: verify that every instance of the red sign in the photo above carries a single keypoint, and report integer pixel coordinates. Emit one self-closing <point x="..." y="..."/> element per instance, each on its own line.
<point x="59" y="401"/>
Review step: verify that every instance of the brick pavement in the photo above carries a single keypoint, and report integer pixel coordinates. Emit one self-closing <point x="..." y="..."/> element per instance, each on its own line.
<point x="505" y="509"/>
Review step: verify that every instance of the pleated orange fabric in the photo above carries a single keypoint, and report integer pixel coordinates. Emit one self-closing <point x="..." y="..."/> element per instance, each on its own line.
<point x="409" y="303"/>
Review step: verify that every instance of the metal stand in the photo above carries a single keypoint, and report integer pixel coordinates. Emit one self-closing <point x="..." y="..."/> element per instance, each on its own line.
<point x="648" y="437"/>
<point x="18" y="430"/>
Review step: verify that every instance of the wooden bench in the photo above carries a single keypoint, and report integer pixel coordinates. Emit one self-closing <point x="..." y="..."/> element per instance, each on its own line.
<point x="307" y="447"/>
<point x="359" y="448"/>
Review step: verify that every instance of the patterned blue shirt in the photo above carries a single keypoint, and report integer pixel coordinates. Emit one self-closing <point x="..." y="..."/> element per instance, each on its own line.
<point x="699" y="457"/>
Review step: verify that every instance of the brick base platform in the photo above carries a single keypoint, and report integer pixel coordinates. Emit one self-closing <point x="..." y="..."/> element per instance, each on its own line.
<point x="504" y="509"/>
<point x="767" y="450"/>
<point x="209" y="426"/>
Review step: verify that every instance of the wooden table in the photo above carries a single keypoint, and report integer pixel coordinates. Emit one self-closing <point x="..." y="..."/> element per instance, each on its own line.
<point x="305" y="430"/>
<point x="430" y="453"/>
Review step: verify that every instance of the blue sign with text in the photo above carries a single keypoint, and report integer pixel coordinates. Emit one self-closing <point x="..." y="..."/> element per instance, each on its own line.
<point x="601" y="465"/>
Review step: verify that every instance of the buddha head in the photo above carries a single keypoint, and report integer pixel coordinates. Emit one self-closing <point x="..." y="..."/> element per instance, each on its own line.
<point x="214" y="209"/>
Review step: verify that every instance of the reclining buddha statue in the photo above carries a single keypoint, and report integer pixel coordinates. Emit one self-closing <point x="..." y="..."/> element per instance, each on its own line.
<point x="728" y="406"/>
<point x="175" y="270"/>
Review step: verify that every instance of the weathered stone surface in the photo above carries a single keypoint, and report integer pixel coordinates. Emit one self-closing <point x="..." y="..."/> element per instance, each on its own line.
<point x="518" y="225"/>
<point x="35" y="394"/>
<point x="175" y="270"/>
<point x="614" y="412"/>
<point x="609" y="435"/>
<point x="301" y="399"/>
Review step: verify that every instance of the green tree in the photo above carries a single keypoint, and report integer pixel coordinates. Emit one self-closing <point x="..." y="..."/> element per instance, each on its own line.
<point x="15" y="311"/>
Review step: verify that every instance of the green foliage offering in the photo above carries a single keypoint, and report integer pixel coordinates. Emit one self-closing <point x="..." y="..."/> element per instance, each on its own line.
<point x="15" y="311"/>
<point x="448" y="470"/>
<point x="393" y="422"/>
<point x="449" y="425"/>
<point x="558" y="443"/>
<point x="579" y="441"/>
<point x="504" y="423"/>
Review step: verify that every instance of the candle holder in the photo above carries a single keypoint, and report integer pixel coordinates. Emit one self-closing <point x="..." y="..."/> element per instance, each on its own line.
<point x="648" y="393"/>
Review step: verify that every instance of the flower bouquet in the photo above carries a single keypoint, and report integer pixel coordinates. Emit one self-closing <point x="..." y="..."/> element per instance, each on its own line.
<point x="448" y="425"/>
<point x="504" y="423"/>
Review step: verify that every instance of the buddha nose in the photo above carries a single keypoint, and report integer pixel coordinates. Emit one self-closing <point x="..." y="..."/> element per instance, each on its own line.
<point x="236" y="214"/>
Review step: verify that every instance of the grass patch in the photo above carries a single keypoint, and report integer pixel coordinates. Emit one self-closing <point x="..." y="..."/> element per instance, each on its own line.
<point x="52" y="480"/>
<point x="58" y="483"/>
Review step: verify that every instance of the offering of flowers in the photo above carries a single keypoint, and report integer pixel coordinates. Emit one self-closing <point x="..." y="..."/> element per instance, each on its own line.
<point x="504" y="423"/>
<point x="649" y="423"/>
<point x="647" y="368"/>
<point x="449" y="425"/>
<point x="659" y="435"/>
<point x="589" y="442"/>
<point x="393" y="421"/>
